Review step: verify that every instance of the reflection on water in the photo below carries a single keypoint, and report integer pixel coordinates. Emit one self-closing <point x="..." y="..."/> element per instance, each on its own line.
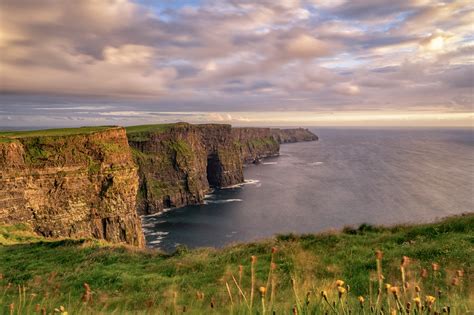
<point x="347" y="178"/>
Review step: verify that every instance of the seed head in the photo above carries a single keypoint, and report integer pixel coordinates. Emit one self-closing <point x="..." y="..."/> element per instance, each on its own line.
<point x="455" y="281"/>
<point x="339" y="283"/>
<point x="417" y="289"/>
<point x="253" y="259"/>
<point x="324" y="294"/>
<point x="361" y="300"/>
<point x="274" y="250"/>
<point x="388" y="286"/>
<point x="417" y="301"/>
<point x="424" y="273"/>
<point x="435" y="267"/>
<point x="460" y="273"/>
<point x="378" y="254"/>
<point x="273" y="266"/>
<point x="405" y="261"/>
<point x="262" y="290"/>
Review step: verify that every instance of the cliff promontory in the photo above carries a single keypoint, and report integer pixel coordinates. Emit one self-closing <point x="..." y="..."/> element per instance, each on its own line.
<point x="70" y="183"/>
<point x="293" y="135"/>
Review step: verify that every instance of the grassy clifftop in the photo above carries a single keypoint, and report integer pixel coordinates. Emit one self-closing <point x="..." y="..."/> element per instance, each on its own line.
<point x="39" y="273"/>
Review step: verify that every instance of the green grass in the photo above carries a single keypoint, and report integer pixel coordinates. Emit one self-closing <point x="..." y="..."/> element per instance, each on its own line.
<point x="125" y="280"/>
<point x="52" y="132"/>
<point x="142" y="132"/>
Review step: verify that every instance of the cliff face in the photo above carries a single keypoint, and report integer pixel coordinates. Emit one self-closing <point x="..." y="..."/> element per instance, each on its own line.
<point x="76" y="185"/>
<point x="255" y="143"/>
<point x="179" y="163"/>
<point x="293" y="135"/>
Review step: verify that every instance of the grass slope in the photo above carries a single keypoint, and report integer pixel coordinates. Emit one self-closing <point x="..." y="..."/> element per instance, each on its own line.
<point x="53" y="132"/>
<point x="37" y="273"/>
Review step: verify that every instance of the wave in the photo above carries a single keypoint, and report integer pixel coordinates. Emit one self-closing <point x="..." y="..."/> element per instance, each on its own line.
<point x="246" y="182"/>
<point x="269" y="163"/>
<point x="146" y="216"/>
<point x="222" y="201"/>
<point x="315" y="163"/>
<point x="159" y="233"/>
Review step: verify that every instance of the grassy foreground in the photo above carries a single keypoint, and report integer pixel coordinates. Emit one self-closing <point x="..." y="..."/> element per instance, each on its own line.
<point x="333" y="273"/>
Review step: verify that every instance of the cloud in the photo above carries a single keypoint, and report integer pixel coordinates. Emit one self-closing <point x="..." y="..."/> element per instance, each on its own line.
<point x="236" y="55"/>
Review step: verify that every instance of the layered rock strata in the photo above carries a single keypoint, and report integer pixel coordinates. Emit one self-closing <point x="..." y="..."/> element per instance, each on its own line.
<point x="78" y="185"/>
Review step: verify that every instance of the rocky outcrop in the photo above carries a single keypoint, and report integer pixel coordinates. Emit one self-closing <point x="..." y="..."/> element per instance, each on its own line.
<point x="293" y="135"/>
<point x="178" y="163"/>
<point x="76" y="184"/>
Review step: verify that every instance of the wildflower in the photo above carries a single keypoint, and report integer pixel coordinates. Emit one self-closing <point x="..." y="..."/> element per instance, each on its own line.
<point x="424" y="273"/>
<point x="430" y="299"/>
<point x="394" y="291"/>
<point x="361" y="301"/>
<point x="341" y="291"/>
<point x="262" y="290"/>
<point x="417" y="301"/>
<point x="387" y="287"/>
<point x="378" y="254"/>
<point x="435" y="267"/>
<point x="405" y="261"/>
<point x="339" y="283"/>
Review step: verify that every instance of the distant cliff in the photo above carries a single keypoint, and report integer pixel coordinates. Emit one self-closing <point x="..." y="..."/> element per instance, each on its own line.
<point x="293" y="135"/>
<point x="255" y="143"/>
<point x="70" y="183"/>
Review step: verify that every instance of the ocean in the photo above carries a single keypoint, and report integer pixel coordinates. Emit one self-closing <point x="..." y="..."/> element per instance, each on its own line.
<point x="348" y="177"/>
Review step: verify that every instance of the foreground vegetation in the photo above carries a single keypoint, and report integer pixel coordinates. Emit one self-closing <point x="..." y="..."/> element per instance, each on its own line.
<point x="423" y="269"/>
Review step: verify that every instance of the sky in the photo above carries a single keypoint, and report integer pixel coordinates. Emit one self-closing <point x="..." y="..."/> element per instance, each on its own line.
<point x="267" y="62"/>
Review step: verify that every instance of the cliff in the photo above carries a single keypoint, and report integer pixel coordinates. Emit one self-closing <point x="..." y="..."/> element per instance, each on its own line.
<point x="178" y="163"/>
<point x="92" y="181"/>
<point x="255" y="143"/>
<point x="293" y="135"/>
<point x="70" y="183"/>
